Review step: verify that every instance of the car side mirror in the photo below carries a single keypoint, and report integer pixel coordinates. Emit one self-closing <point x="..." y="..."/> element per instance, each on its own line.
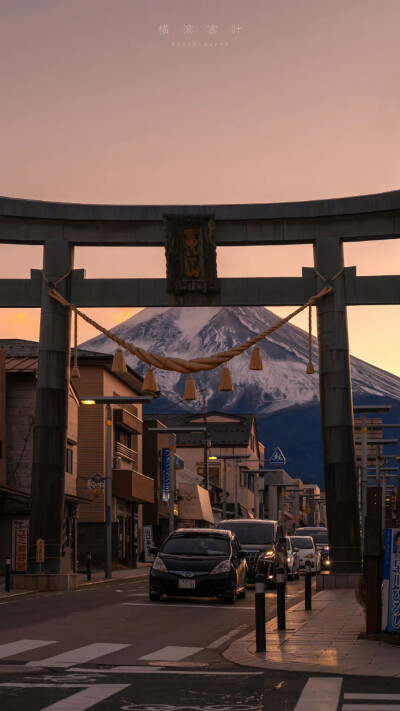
<point x="296" y="550"/>
<point x="153" y="550"/>
<point x="241" y="555"/>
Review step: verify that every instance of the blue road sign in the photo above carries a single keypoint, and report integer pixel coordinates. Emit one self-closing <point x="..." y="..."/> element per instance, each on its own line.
<point x="278" y="457"/>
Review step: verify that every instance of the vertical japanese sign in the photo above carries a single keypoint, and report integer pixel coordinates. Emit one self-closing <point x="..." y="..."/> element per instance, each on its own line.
<point x="20" y="531"/>
<point x="191" y="254"/>
<point x="164" y="474"/>
<point x="391" y="581"/>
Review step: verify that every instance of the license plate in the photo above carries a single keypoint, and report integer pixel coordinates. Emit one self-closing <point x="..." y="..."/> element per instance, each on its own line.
<point x="188" y="584"/>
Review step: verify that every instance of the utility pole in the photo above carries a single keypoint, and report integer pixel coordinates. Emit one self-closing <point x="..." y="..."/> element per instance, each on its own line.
<point x="256" y="493"/>
<point x="364" y="472"/>
<point x="109" y="493"/>
<point x="224" y="489"/>
<point x="236" y="469"/>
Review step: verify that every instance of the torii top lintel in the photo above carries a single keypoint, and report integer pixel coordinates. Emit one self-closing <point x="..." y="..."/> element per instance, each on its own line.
<point x="364" y="217"/>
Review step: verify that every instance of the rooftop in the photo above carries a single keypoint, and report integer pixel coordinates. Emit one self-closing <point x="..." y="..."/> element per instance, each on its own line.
<point x="233" y="432"/>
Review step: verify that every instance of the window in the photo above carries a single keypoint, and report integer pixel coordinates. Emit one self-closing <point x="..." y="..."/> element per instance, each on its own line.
<point x="123" y="437"/>
<point x="247" y="479"/>
<point x="69" y="461"/>
<point x="252" y="532"/>
<point x="196" y="545"/>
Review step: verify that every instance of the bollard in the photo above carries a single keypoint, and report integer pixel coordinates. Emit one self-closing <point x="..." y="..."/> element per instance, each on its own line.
<point x="260" y="612"/>
<point x="307" y="586"/>
<point x="280" y="598"/>
<point x="8" y="574"/>
<point x="89" y="566"/>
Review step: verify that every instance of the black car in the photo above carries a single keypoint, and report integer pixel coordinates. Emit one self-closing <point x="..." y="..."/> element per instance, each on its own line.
<point x="199" y="562"/>
<point x="259" y="538"/>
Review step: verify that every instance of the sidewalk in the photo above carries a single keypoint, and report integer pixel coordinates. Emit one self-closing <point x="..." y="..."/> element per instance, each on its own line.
<point x="141" y="571"/>
<point x="323" y="640"/>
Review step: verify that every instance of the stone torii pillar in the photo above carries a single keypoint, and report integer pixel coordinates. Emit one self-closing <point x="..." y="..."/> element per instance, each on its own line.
<point x="337" y="411"/>
<point x="50" y="432"/>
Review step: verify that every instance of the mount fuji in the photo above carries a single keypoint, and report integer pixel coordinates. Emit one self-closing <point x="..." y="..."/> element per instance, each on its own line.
<point x="283" y="397"/>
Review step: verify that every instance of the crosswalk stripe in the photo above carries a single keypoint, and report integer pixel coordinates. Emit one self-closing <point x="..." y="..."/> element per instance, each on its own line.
<point x="172" y="605"/>
<point x="370" y="707"/>
<point x="38" y="685"/>
<point x="376" y="697"/>
<point x="172" y="654"/>
<point x="79" y="655"/>
<point x="23" y="645"/>
<point x="320" y="694"/>
<point x="86" y="698"/>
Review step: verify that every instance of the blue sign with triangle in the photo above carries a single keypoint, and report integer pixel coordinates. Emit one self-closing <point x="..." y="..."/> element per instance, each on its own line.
<point x="278" y="457"/>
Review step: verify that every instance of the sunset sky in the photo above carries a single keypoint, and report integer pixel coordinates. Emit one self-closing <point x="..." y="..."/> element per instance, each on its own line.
<point x="197" y="102"/>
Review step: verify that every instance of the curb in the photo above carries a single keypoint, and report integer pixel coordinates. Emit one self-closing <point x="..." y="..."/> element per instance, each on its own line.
<point x="7" y="596"/>
<point x="243" y="653"/>
<point x="110" y="580"/>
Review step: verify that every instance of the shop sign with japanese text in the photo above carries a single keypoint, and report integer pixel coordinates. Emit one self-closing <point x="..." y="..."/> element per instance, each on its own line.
<point x="391" y="581"/>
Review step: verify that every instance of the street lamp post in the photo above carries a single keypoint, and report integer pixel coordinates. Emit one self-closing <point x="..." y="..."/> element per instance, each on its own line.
<point x="108" y="401"/>
<point x="108" y="493"/>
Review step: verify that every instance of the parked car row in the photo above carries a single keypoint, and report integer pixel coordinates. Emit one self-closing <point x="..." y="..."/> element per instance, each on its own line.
<point x="220" y="562"/>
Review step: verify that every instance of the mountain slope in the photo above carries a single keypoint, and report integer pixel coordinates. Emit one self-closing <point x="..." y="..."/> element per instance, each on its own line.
<point x="284" y="398"/>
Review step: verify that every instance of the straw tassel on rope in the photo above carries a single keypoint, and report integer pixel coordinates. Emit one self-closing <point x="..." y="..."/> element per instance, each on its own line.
<point x="255" y="359"/>
<point x="194" y="365"/>
<point x="226" y="385"/>
<point x="310" y="368"/>
<point x="190" y="389"/>
<point x="75" y="370"/>
<point x="119" y="365"/>
<point x="150" y="383"/>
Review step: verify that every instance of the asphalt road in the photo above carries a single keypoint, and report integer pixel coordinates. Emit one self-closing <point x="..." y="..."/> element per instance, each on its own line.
<point x="106" y="647"/>
<point x="121" y="614"/>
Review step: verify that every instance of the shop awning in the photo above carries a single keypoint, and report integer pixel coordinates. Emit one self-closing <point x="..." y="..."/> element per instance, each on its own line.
<point x="195" y="503"/>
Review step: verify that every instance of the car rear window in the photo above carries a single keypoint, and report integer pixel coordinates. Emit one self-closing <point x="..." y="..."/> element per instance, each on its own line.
<point x="302" y="543"/>
<point x="319" y="535"/>
<point x="191" y="544"/>
<point x="251" y="533"/>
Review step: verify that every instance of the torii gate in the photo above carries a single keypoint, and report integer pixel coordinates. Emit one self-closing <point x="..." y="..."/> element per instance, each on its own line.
<point x="324" y="223"/>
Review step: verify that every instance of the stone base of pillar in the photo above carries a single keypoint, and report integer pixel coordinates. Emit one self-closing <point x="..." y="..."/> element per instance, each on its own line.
<point x="337" y="581"/>
<point x="45" y="582"/>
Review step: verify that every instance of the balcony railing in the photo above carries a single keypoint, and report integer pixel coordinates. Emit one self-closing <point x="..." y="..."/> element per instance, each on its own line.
<point x="123" y="452"/>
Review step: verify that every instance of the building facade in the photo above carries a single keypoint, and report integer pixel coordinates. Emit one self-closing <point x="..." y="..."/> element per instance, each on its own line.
<point x="18" y="377"/>
<point x="131" y="489"/>
<point x="226" y="434"/>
